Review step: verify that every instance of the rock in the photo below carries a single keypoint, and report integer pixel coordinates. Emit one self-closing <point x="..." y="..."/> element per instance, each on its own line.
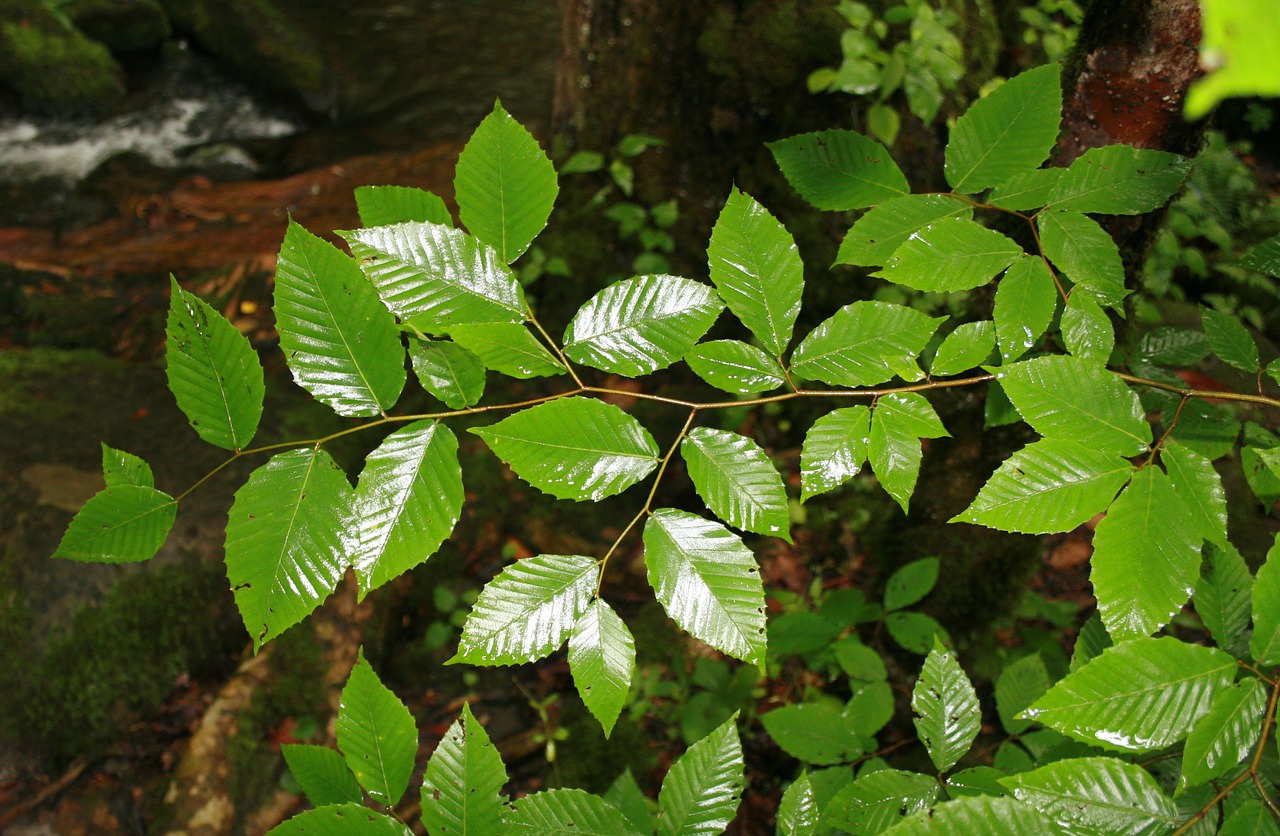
<point x="120" y="25"/>
<point x="52" y="66"/>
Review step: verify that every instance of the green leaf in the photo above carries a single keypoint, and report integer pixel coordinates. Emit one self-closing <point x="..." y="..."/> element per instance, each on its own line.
<point x="737" y="480"/>
<point x="870" y="707"/>
<point x="1265" y="258"/>
<point x="1261" y="472"/>
<point x="407" y="502"/>
<point x="1225" y="736"/>
<point x="574" y="448"/>
<point x="1046" y="487"/>
<point x="322" y="773"/>
<point x="1077" y="400"/>
<point x="965" y="348"/>
<point x="1264" y="646"/>
<point x="976" y="780"/>
<point x="640" y="325"/>
<point x="1137" y="696"/>
<point x="834" y="450"/>
<point x="1251" y="818"/>
<point x="707" y="581"/>
<point x="1199" y="486"/>
<point x="508" y="348"/>
<point x="1223" y="595"/>
<point x="1086" y="330"/>
<point x="874" y="237"/>
<point x="626" y="795"/>
<point x="914" y="631"/>
<point x="910" y="583"/>
<point x="946" y="707"/>
<point x="119" y="524"/>
<point x="1230" y="341"/>
<point x="898" y="422"/>
<point x="286" y="540"/>
<point x="341" y="820"/>
<point x="798" y="811"/>
<point x="735" y="366"/>
<point x="376" y="735"/>
<point x="1168" y="346"/>
<point x="528" y="610"/>
<point x="462" y="787"/>
<point x="383" y="205"/>
<point x="756" y="268"/>
<point x="451" y="373"/>
<point x="505" y="185"/>
<point x="1096" y="796"/>
<point x="1031" y="190"/>
<point x="817" y="733"/>
<point x="120" y="469"/>
<point x="1090" y="642"/>
<point x="602" y="655"/>
<point x="863" y="344"/>
<point x="982" y="815"/>
<point x="1010" y="131"/>
<point x="564" y="811"/>
<point x="1020" y="684"/>
<point x="1083" y="250"/>
<point x="875" y="802"/>
<point x="839" y="170"/>
<point x="340" y="342"/>
<point x="950" y="254"/>
<point x="213" y="372"/>
<point x="858" y="660"/>
<point x="1146" y="557"/>
<point x="437" y="275"/>
<point x="1120" y="180"/>
<point x="1026" y="299"/>
<point x="701" y="791"/>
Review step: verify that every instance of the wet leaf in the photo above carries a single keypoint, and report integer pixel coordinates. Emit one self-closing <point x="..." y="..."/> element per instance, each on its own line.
<point x="838" y="170"/>
<point x="376" y="735"/>
<point x="700" y="793"/>
<point x="602" y="655"/>
<point x="462" y="787"/>
<point x="737" y="480"/>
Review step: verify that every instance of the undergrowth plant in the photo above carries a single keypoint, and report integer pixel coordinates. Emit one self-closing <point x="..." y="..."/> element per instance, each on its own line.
<point x="1160" y="723"/>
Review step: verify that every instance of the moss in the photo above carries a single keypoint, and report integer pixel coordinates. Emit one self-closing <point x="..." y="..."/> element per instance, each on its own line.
<point x="587" y="760"/>
<point x="53" y="67"/>
<point x="120" y="25"/>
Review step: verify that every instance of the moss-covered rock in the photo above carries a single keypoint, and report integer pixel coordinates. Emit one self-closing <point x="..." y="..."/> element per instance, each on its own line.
<point x="52" y="66"/>
<point x="120" y="25"/>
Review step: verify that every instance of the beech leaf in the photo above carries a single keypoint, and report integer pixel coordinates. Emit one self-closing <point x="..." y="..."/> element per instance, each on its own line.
<point x="839" y="170"/>
<point x="737" y="480"/>
<point x="462" y="786"/>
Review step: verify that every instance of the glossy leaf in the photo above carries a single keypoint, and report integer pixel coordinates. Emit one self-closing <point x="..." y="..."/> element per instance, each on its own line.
<point x="876" y="801"/>
<point x="574" y="448"/>
<point x="1077" y="400"/>
<point x="976" y="780"/>
<point x="707" y="581"/>
<point x="982" y="815"/>
<point x="798" y="811"/>
<point x="1046" y="487"/>
<point x="1146" y="557"/>
<point x="505" y="185"/>
<point x="1120" y="180"/>
<point x="1030" y="190"/>
<point x="816" y="733"/>
<point x="839" y="170"/>
<point x="1082" y="249"/>
<point x="910" y="583"/>
<point x="756" y="268"/>
<point x="462" y="787"/>
<point x="340" y="342"/>
<point x="1223" y="595"/>
<point x="213" y="372"/>
<point x="965" y="348"/>
<point x="322" y="773"/>
<point x="528" y="610"/>
<point x="874" y="238"/>
<point x="1137" y="696"/>
<point x="834" y="450"/>
<point x="946" y="707"/>
<point x="1100" y="796"/>
<point x="383" y="205"/>
<point x="437" y="275"/>
<point x="1086" y="330"/>
<point x="735" y="366"/>
<point x="119" y="524"/>
<point x="407" y="502"/>
<point x="1265" y="257"/>
<point x="564" y="811"/>
<point x="639" y="325"/>
<point x="451" y="373"/>
<point x="508" y="348"/>
<point x="1225" y="736"/>
<point x="1019" y="685"/>
<point x="376" y="735"/>
<point x="1229" y="339"/>
<point x="863" y="344"/>
<point x="1199" y="486"/>
<point x="898" y="423"/>
<point x="602" y="655"/>
<point x="1090" y="642"/>
<point x="120" y="468"/>
<point x="701" y="791"/>
<point x="1009" y="132"/>
<point x="1169" y="346"/>
<point x="1026" y="299"/>
<point x="737" y="480"/>
<point x="950" y="254"/>
<point x="341" y="820"/>
<point x="1251" y="818"/>
<point x="286" y="540"/>
<point x="1264" y="645"/>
